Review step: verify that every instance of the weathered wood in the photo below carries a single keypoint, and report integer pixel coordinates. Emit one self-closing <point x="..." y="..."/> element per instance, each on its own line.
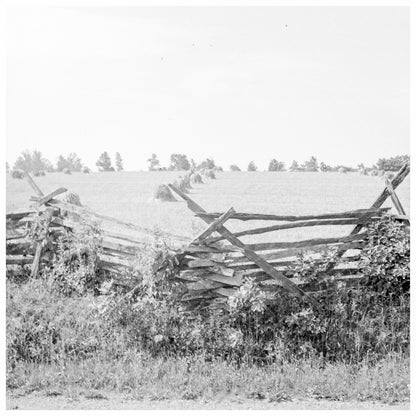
<point x="40" y="244"/>
<point x="51" y="195"/>
<point x="395" y="198"/>
<point x="247" y="251"/>
<point x="34" y="186"/>
<point x="19" y="260"/>
<point x="202" y="285"/>
<point x="306" y="243"/>
<point x="397" y="180"/>
<point x="263" y="230"/>
<point x="18" y="215"/>
<point x="266" y="217"/>
<point x="130" y="226"/>
<point x="122" y="248"/>
<point x="293" y="252"/>
<point x="16" y="236"/>
<point x="213" y="226"/>
<point x="225" y="292"/>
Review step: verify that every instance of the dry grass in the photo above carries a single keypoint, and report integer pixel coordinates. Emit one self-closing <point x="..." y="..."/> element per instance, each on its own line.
<point x="129" y="196"/>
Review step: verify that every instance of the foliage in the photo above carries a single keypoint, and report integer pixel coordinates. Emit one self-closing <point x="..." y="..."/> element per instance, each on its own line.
<point x="154" y="163"/>
<point x="76" y="270"/>
<point x="7" y="168"/>
<point x="323" y="167"/>
<point x="235" y="168"/>
<point x="206" y="164"/>
<point x="392" y="163"/>
<point x="275" y="166"/>
<point x="71" y="162"/>
<point x="32" y="162"/>
<point x="104" y="163"/>
<point x="251" y="167"/>
<point x="310" y="165"/>
<point x="119" y="162"/>
<point x="294" y="167"/>
<point x="352" y="326"/>
<point x="179" y="162"/>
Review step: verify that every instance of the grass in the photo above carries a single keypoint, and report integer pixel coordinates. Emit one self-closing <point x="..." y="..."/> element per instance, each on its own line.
<point x="142" y="377"/>
<point x="129" y="196"/>
<point x="108" y="365"/>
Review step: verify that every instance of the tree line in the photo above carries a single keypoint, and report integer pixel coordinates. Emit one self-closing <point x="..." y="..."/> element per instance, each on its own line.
<point x="34" y="162"/>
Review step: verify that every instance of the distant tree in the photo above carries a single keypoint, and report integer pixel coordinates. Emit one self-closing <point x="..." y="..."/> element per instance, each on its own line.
<point x="179" y="162"/>
<point x="32" y="162"/>
<point x="119" y="162"/>
<point x="235" y="168"/>
<point x="323" y="167"/>
<point x="311" y="165"/>
<point x="206" y="164"/>
<point x="392" y="163"/>
<point x="71" y="162"/>
<point x="104" y="163"/>
<point x="154" y="163"/>
<point x="251" y="167"/>
<point x="294" y="167"/>
<point x="7" y="168"/>
<point x="276" y="166"/>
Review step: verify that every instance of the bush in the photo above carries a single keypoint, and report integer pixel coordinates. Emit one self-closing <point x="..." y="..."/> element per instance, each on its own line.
<point x="39" y="173"/>
<point x="18" y="174"/>
<point x="352" y="326"/>
<point x="66" y="171"/>
<point x="85" y="169"/>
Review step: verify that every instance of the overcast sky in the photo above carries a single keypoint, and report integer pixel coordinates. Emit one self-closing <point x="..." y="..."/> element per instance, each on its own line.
<point x="235" y="84"/>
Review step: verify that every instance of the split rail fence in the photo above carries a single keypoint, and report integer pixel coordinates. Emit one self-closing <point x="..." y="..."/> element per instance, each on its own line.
<point x="216" y="263"/>
<point x="32" y="236"/>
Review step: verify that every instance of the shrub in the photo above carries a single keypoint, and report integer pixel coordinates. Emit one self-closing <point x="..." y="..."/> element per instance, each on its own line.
<point x="17" y="174"/>
<point x="66" y="171"/>
<point x="39" y="173"/>
<point x="85" y="169"/>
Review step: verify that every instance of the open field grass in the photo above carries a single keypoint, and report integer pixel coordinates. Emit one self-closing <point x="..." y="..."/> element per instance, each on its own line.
<point x="129" y="196"/>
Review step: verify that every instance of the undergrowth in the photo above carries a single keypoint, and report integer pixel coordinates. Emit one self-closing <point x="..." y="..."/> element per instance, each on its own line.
<point x="69" y="324"/>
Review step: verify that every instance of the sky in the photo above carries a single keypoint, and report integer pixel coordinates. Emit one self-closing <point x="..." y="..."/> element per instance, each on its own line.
<point x="232" y="83"/>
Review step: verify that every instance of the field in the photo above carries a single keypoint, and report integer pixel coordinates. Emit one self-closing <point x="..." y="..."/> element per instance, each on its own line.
<point x="128" y="196"/>
<point x="107" y="352"/>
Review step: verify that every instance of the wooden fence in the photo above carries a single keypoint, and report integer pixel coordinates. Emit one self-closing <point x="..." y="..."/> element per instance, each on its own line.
<point x="213" y="268"/>
<point x="32" y="236"/>
<point x="215" y="264"/>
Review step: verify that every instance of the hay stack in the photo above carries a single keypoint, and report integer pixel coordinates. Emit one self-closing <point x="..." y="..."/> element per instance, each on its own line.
<point x="163" y="193"/>
<point x="66" y="171"/>
<point x="210" y="174"/>
<point x="187" y="180"/>
<point x="17" y="174"/>
<point x="196" y="178"/>
<point x="69" y="198"/>
<point x="181" y="185"/>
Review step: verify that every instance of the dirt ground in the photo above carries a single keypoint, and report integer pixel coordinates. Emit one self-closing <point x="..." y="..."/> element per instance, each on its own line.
<point x="110" y="401"/>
